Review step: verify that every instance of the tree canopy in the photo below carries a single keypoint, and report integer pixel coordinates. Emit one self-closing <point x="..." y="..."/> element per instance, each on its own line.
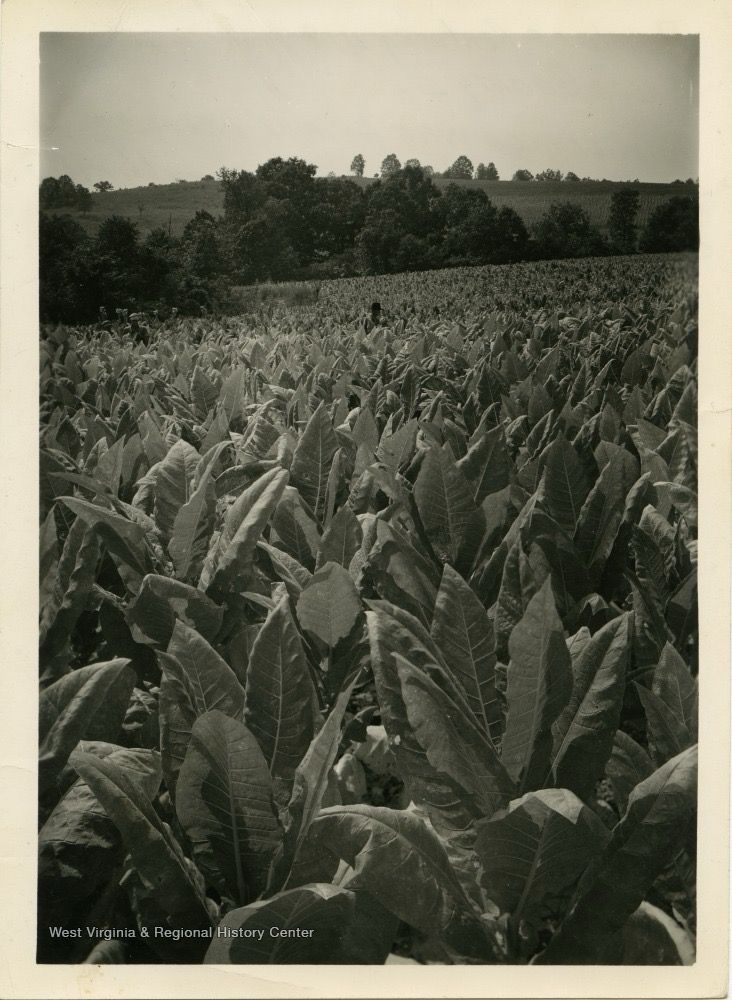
<point x="390" y="165"/>
<point x="549" y="175"/>
<point x="486" y="173"/>
<point x="461" y="169"/>
<point x="624" y="206"/>
<point x="672" y="227"/>
<point x="565" y="231"/>
<point x="282" y="222"/>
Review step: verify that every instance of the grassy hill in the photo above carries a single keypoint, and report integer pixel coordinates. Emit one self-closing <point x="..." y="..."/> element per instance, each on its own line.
<point x="168" y="205"/>
<point x="173" y="205"/>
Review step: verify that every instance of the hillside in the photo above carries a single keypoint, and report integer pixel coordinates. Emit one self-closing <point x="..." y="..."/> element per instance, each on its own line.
<point x="172" y="205"/>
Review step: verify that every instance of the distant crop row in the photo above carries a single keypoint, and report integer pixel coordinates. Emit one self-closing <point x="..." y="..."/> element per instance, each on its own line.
<point x="384" y="640"/>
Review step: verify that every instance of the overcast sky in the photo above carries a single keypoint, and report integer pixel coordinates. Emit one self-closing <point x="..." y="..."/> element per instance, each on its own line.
<point x="135" y="108"/>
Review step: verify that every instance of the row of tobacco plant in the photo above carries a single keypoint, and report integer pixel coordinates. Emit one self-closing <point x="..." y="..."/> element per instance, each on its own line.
<point x="384" y="639"/>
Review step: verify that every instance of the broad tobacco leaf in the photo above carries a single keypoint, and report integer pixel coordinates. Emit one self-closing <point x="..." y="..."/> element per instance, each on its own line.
<point x="88" y="703"/>
<point x="566" y="484"/>
<point x="659" y="810"/>
<point x="671" y="707"/>
<point x="395" y="857"/>
<point x="78" y="842"/>
<point x="161" y="602"/>
<point x="155" y="852"/>
<point x="309" y="786"/>
<point x="341" y="539"/>
<point x="280" y="704"/>
<point x="124" y="538"/>
<point x="583" y="734"/>
<point x="539" y="688"/>
<point x="445" y="502"/>
<point x="241" y="531"/>
<point x="628" y="765"/>
<point x="312" y="460"/>
<point x="541" y="843"/>
<point x="487" y="465"/>
<point x="320" y="912"/>
<point x="173" y="485"/>
<point x="329" y="605"/>
<point x="430" y="755"/>
<point x="225" y="803"/>
<point x="192" y="530"/>
<point x="602" y="512"/>
<point x="196" y="680"/>
<point x="463" y="632"/>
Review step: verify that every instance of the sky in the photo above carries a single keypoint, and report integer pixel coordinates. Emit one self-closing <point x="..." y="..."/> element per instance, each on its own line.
<point x="136" y="108"/>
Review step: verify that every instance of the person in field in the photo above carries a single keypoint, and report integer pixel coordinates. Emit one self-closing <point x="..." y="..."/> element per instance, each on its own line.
<point x="374" y="319"/>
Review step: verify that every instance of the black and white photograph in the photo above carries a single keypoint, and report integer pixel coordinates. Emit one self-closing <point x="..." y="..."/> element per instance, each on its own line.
<point x="372" y="623"/>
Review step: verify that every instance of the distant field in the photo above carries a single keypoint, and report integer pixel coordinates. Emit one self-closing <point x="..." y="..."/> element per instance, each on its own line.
<point x="173" y="205"/>
<point x="157" y="205"/>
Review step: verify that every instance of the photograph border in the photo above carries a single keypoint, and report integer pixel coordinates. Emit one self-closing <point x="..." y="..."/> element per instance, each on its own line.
<point x="21" y="23"/>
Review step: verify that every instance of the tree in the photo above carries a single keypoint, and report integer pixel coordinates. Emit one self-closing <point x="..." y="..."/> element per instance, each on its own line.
<point x="549" y="175"/>
<point x="622" y="226"/>
<point x="672" y="227"/>
<point x="159" y="255"/>
<point x="269" y="219"/>
<point x="62" y="255"/>
<point x="358" y="165"/>
<point x="402" y="205"/>
<point x="523" y="175"/>
<point x="428" y="171"/>
<point x="512" y="237"/>
<point x="461" y="169"/>
<point x="118" y="237"/>
<point x="200" y="253"/>
<point x="412" y="198"/>
<point x="291" y="183"/>
<point x="66" y="191"/>
<point x="565" y="231"/>
<point x="260" y="250"/>
<point x="414" y="254"/>
<point x="469" y="225"/>
<point x="338" y="215"/>
<point x="243" y="195"/>
<point x="475" y="232"/>
<point x="412" y="163"/>
<point x="390" y="165"/>
<point x="57" y="192"/>
<point x="571" y="176"/>
<point x="115" y="269"/>
<point x="486" y="173"/>
<point x="49" y="193"/>
<point x="102" y="186"/>
<point x="378" y="243"/>
<point x="83" y="198"/>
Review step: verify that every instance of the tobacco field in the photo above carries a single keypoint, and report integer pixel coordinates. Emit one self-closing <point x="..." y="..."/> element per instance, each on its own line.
<point x="375" y="646"/>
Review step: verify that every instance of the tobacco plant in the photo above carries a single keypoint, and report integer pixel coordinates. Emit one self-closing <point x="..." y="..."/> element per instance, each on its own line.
<point x="286" y="564"/>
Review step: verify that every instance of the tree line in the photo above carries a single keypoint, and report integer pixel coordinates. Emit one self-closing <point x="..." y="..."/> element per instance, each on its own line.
<point x="281" y="222"/>
<point x="462" y="169"/>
